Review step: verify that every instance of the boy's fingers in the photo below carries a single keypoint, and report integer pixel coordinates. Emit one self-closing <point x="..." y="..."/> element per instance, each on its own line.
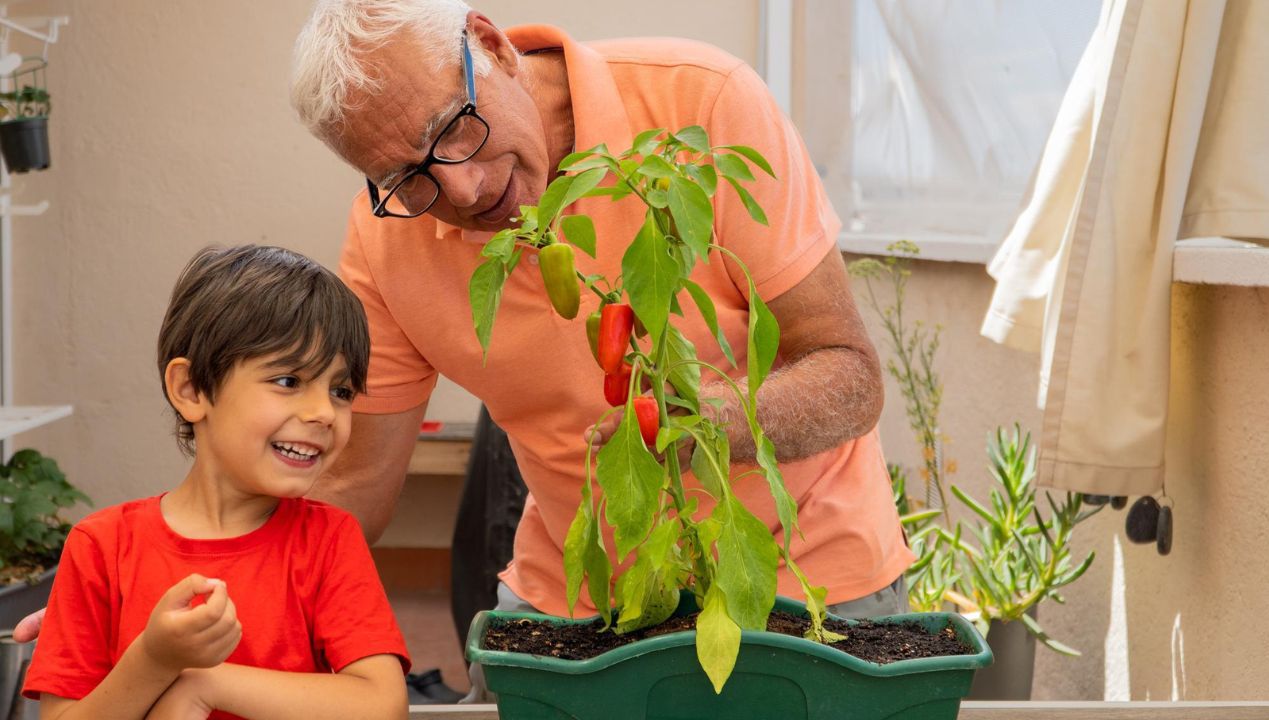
<point x="29" y="627"/>
<point x="180" y="595"/>
<point x="217" y="599"/>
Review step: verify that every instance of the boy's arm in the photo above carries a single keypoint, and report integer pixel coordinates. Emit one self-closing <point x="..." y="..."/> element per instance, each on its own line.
<point x="177" y="636"/>
<point x="372" y="687"/>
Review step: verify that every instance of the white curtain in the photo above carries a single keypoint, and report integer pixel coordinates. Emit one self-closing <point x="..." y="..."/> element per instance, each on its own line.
<point x="1161" y="135"/>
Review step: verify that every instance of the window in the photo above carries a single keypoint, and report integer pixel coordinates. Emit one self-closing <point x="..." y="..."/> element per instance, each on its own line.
<point x="926" y="118"/>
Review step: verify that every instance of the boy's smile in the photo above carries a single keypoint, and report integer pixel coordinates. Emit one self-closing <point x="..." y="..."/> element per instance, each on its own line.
<point x="270" y="431"/>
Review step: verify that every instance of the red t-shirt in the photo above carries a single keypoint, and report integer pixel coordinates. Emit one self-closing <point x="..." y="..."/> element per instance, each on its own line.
<point x="304" y="585"/>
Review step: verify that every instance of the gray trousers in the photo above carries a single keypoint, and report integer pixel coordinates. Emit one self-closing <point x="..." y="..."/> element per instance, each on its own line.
<point x="890" y="600"/>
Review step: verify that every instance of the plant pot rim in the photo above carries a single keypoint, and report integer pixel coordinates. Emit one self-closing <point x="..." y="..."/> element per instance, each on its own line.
<point x="17" y="587"/>
<point x="981" y="657"/>
<point x="15" y="121"/>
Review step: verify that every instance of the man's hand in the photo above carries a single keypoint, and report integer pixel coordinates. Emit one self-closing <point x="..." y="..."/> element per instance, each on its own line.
<point x="180" y="635"/>
<point x="28" y="628"/>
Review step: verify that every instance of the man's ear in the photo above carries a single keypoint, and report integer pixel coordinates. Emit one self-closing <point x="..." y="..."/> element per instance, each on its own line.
<point x="188" y="401"/>
<point x="482" y="31"/>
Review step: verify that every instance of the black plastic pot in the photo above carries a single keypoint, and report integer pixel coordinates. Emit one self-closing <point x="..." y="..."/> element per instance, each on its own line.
<point x="17" y="600"/>
<point x="24" y="144"/>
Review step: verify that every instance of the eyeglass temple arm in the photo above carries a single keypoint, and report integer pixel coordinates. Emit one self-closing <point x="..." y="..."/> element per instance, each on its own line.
<point x="471" y="74"/>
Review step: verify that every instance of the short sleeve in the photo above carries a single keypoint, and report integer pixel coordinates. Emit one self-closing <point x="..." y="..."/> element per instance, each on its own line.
<point x="352" y="618"/>
<point x="72" y="655"/>
<point x="400" y="378"/>
<point x="801" y="225"/>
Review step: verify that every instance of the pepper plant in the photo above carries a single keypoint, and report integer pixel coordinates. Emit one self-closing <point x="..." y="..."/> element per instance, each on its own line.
<point x="727" y="557"/>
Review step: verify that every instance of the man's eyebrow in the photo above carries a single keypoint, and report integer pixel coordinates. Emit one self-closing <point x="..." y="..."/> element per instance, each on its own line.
<point x="425" y="139"/>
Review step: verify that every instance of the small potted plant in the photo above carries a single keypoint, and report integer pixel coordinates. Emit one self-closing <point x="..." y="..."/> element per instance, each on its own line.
<point x="33" y="491"/>
<point x="1012" y="558"/>
<point x="24" y="119"/>
<point x="721" y="566"/>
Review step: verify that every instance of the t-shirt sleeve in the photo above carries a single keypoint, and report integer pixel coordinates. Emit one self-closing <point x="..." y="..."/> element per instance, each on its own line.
<point x="72" y="655"/>
<point x="353" y="619"/>
<point x="400" y="378"/>
<point x="801" y="224"/>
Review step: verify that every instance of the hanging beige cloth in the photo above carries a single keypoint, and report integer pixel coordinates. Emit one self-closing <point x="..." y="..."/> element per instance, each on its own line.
<point x="1163" y="133"/>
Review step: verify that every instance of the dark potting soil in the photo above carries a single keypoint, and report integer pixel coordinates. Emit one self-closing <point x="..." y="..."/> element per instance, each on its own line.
<point x="880" y="643"/>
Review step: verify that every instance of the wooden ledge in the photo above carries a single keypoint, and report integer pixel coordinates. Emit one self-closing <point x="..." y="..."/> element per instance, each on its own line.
<point x="973" y="710"/>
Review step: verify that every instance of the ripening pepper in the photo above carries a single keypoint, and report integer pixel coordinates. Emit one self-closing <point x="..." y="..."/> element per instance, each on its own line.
<point x="649" y="419"/>
<point x="617" y="385"/>
<point x="556" y="263"/>
<point x="592" y="332"/>
<point x="615" y="325"/>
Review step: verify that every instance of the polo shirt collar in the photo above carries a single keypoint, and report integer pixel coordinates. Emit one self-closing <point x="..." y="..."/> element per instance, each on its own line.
<point x="591" y="86"/>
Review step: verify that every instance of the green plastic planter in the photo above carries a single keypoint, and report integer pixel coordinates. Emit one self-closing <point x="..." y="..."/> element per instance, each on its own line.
<point x="776" y="676"/>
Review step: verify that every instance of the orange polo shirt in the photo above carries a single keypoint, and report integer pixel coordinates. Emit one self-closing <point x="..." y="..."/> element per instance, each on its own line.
<point x="541" y="384"/>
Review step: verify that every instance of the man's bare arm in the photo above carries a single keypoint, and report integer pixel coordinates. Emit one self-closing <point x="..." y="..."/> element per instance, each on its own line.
<point x="830" y="388"/>
<point x="367" y="478"/>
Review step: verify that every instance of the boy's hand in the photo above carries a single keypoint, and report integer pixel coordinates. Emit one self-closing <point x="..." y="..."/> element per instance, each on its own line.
<point x="186" y="699"/>
<point x="179" y="636"/>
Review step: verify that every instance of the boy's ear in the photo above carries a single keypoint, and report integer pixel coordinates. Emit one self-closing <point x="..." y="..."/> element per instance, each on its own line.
<point x="188" y="401"/>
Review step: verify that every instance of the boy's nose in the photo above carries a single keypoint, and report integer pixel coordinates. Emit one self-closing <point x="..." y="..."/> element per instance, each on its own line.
<point x="318" y="407"/>
<point x="460" y="184"/>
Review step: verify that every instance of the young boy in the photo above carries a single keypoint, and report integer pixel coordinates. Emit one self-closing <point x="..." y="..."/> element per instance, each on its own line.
<point x="232" y="595"/>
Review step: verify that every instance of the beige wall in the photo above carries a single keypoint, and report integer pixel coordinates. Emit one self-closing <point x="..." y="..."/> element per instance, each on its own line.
<point x="1189" y="622"/>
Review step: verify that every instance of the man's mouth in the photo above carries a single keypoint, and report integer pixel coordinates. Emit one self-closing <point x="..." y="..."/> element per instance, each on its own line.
<point x="502" y="208"/>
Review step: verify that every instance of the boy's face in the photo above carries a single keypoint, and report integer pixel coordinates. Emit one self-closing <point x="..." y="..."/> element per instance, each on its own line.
<point x="273" y="430"/>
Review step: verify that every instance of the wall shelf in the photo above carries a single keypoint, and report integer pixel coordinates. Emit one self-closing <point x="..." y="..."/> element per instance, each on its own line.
<point x="18" y="419"/>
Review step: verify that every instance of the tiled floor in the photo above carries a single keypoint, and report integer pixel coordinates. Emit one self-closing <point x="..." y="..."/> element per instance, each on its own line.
<point x="429" y="634"/>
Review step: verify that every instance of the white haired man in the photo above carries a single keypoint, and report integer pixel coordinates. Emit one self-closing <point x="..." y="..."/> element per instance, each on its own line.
<point x="392" y="86"/>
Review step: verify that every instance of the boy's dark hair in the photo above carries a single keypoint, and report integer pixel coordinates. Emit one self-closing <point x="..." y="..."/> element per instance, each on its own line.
<point x="234" y="304"/>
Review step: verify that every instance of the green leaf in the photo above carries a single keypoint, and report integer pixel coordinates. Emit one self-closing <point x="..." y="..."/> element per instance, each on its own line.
<point x="1043" y="637"/>
<point x="747" y="558"/>
<point x="500" y="245"/>
<point x="751" y="205"/>
<point x="582" y="184"/>
<point x="646" y="141"/>
<point x="731" y="166"/>
<point x="717" y="638"/>
<point x="693" y="214"/>
<point x="706" y="305"/>
<point x="704" y="175"/>
<point x="485" y="291"/>
<point x="580" y="231"/>
<point x="786" y="506"/>
<point x="651" y="276"/>
<point x="655" y="166"/>
<point x="667" y="435"/>
<point x="694" y="137"/>
<point x="553" y="199"/>
<point x="711" y="462"/>
<point x="764" y="340"/>
<point x="631" y="478"/>
<point x="754" y="157"/>
<point x="6" y="519"/>
<point x="685" y="377"/>
<point x="576" y="542"/>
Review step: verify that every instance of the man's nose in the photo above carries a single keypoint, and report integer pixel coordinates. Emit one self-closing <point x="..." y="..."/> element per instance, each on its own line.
<point x="460" y="183"/>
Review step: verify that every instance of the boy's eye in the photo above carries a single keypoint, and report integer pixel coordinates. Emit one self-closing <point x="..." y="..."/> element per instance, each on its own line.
<point x="343" y="392"/>
<point x="286" y="381"/>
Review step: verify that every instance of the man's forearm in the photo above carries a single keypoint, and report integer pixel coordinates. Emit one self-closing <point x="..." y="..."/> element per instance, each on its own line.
<point x="259" y="693"/>
<point x="814" y="404"/>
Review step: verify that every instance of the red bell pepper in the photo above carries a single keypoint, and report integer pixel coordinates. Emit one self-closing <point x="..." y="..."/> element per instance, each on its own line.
<point x="649" y="419"/>
<point x="617" y="385"/>
<point x="615" y="325"/>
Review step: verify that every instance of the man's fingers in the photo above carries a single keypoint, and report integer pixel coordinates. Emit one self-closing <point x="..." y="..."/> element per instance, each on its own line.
<point x="28" y="628"/>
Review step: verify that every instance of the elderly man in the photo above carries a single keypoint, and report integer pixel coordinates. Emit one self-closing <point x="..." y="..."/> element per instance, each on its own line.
<point x="455" y="125"/>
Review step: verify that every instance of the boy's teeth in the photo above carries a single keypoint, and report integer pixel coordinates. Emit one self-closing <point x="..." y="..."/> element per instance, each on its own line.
<point x="296" y="451"/>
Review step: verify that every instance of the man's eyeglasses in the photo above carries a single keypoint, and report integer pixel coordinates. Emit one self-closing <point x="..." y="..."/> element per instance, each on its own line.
<point x="462" y="137"/>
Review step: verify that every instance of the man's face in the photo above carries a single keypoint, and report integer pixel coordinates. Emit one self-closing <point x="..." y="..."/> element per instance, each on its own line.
<point x="384" y="133"/>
